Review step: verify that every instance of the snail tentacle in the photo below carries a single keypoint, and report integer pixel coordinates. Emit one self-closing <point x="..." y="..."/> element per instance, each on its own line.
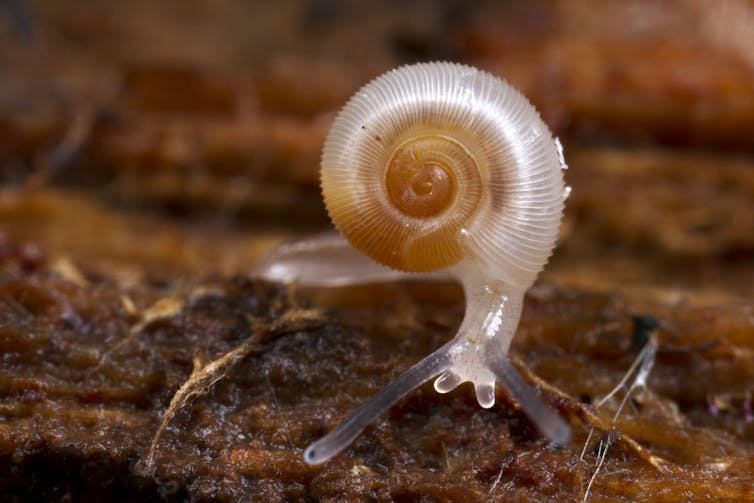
<point x="543" y="417"/>
<point x="342" y="436"/>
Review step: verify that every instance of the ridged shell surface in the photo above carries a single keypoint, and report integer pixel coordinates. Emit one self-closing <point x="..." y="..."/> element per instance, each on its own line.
<point x="475" y="148"/>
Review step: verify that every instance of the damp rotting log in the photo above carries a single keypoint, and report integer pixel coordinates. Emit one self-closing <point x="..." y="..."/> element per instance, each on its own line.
<point x="211" y="390"/>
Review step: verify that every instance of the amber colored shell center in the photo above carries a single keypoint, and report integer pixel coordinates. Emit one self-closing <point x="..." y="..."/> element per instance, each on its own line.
<point x="417" y="181"/>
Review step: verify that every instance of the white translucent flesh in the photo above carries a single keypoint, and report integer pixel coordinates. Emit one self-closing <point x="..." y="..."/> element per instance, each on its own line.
<point x="478" y="354"/>
<point x="328" y="260"/>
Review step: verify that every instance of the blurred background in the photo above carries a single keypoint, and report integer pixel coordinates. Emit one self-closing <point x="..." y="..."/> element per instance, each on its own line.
<point x="184" y="136"/>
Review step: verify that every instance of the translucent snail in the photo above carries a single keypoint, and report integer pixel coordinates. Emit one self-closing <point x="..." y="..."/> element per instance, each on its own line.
<point x="440" y="167"/>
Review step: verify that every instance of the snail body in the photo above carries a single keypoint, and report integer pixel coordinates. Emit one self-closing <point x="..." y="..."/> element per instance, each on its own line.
<point x="443" y="167"/>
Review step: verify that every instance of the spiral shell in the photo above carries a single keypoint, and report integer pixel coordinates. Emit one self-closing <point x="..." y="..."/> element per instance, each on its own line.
<point x="433" y="164"/>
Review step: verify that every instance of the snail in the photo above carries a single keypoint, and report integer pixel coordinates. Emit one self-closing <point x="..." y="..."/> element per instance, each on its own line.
<point x="440" y="168"/>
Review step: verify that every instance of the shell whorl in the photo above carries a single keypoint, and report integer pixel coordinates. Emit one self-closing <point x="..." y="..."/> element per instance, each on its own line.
<point x="433" y="164"/>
